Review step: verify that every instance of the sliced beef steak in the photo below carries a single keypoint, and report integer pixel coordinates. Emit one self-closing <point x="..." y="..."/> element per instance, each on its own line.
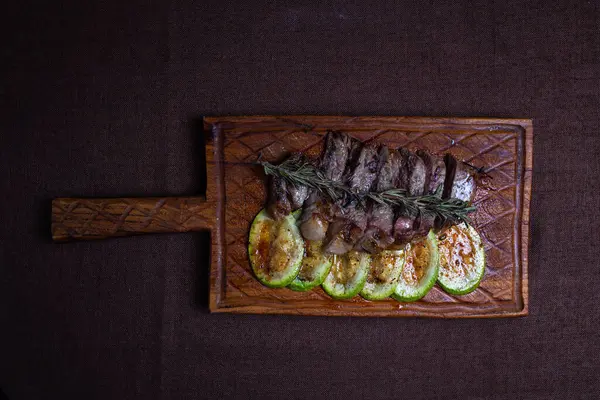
<point x="379" y="233"/>
<point x="347" y="222"/>
<point x="416" y="173"/>
<point x="278" y="204"/>
<point x="318" y="210"/>
<point x="297" y="194"/>
<point x="435" y="171"/>
<point x="351" y="220"/>
<point x="459" y="183"/>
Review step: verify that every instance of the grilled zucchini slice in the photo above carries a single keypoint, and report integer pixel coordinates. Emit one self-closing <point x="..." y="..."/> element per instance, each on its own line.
<point x="276" y="249"/>
<point x="348" y="275"/>
<point x="462" y="259"/>
<point x="420" y="269"/>
<point x="384" y="274"/>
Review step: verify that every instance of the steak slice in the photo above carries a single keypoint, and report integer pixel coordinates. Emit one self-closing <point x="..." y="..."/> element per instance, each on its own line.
<point x="435" y="171"/>
<point x="297" y="194"/>
<point x="379" y="233"/>
<point x="415" y="184"/>
<point x="351" y="220"/>
<point x="278" y="204"/>
<point x="416" y="173"/>
<point x="285" y="197"/>
<point x="318" y="209"/>
<point x="459" y="183"/>
<point x="423" y="223"/>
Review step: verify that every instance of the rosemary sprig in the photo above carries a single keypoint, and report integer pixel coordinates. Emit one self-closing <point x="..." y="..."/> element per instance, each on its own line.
<point x="305" y="174"/>
<point x="446" y="209"/>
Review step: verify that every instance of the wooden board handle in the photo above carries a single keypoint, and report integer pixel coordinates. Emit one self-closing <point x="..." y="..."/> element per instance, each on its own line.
<point x="86" y="219"/>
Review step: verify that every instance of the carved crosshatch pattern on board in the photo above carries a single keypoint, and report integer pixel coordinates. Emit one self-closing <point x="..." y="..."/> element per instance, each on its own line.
<point x="499" y="148"/>
<point x="87" y="219"/>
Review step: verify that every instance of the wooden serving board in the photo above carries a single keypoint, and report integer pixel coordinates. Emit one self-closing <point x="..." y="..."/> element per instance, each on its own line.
<point x="236" y="192"/>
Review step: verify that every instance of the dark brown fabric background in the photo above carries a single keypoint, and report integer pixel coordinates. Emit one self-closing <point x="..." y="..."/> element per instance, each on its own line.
<point x="103" y="99"/>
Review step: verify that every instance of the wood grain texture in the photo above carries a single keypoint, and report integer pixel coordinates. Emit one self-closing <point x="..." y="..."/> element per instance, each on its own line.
<point x="86" y="219"/>
<point x="236" y="192"/>
<point x="238" y="187"/>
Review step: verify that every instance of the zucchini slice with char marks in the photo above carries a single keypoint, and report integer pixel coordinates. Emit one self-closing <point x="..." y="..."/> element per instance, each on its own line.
<point x="462" y="259"/>
<point x="276" y="249"/>
<point x="384" y="274"/>
<point x="348" y="275"/>
<point x="420" y="269"/>
<point x="315" y="267"/>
